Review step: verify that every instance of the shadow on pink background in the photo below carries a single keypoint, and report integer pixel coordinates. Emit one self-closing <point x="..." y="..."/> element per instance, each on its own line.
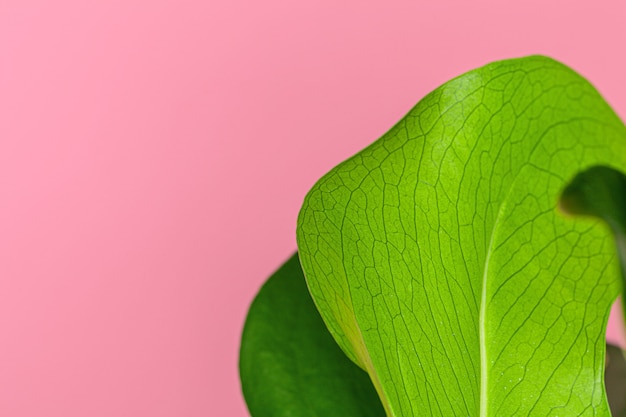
<point x="154" y="155"/>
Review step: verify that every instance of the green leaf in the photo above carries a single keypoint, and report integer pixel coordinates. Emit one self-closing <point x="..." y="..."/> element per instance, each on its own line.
<point x="289" y="363"/>
<point x="600" y="192"/>
<point x="441" y="265"/>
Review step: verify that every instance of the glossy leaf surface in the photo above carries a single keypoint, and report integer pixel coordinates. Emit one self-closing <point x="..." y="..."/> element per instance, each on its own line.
<point x="289" y="363"/>
<point x="440" y="263"/>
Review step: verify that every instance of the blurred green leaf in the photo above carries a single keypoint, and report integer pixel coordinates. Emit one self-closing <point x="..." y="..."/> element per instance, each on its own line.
<point x="290" y="365"/>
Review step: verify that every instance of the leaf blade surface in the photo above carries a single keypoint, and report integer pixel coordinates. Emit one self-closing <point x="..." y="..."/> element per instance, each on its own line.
<point x="440" y="264"/>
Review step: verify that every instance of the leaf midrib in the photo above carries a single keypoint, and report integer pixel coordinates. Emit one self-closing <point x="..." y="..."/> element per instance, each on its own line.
<point x="484" y="371"/>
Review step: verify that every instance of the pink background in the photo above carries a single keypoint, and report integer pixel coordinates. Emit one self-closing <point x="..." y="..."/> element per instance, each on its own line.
<point x="154" y="155"/>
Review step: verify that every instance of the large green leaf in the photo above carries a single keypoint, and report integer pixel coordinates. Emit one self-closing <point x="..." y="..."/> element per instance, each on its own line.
<point x="440" y="263"/>
<point x="290" y="365"/>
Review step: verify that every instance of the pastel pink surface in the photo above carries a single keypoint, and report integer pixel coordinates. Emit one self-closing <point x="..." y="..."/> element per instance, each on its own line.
<point x="154" y="155"/>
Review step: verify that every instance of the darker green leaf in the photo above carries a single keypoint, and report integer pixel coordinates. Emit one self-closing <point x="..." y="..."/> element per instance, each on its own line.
<point x="290" y="365"/>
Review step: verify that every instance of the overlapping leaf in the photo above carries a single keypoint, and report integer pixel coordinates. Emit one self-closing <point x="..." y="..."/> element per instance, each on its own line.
<point x="600" y="192"/>
<point x="290" y="365"/>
